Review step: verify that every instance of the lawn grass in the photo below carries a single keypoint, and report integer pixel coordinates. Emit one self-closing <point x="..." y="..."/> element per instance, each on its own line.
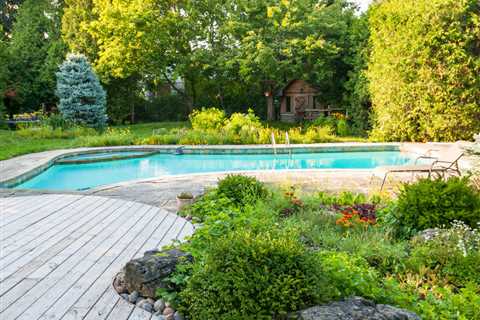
<point x="12" y="144"/>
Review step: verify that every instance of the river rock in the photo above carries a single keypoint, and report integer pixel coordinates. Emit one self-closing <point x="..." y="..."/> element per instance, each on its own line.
<point x="133" y="297"/>
<point x="119" y="283"/>
<point x="145" y="305"/>
<point x="147" y="274"/>
<point x="354" y="308"/>
<point x="159" y="305"/>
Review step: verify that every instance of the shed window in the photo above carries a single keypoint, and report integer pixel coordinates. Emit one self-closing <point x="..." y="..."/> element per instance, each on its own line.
<point x="288" y="103"/>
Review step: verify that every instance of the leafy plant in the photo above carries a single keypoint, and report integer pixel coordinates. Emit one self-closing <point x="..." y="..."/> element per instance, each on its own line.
<point x="207" y="119"/>
<point x="265" y="274"/>
<point x="435" y="203"/>
<point x="242" y="189"/>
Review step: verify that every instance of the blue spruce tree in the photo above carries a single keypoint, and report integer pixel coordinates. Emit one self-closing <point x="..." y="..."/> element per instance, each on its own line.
<point x="82" y="98"/>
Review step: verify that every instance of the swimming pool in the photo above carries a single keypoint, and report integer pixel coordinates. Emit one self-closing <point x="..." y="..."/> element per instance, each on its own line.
<point x="90" y="175"/>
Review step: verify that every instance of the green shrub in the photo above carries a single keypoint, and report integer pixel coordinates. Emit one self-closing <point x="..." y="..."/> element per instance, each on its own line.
<point x="247" y="275"/>
<point x="453" y="253"/>
<point x="242" y="189"/>
<point x="111" y="137"/>
<point x="47" y="132"/>
<point x="209" y="205"/>
<point x="207" y="119"/>
<point x="435" y="203"/>
<point x="347" y="275"/>
<point x="423" y="69"/>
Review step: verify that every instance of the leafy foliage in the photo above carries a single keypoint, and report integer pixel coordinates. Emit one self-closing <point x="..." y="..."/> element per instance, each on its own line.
<point x="423" y="71"/>
<point x="435" y="203"/>
<point x="82" y="98"/>
<point x="241" y="189"/>
<point x="259" y="274"/>
<point x="35" y="50"/>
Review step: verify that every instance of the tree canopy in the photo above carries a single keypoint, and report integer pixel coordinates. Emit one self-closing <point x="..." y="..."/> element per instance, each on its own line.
<point x="424" y="69"/>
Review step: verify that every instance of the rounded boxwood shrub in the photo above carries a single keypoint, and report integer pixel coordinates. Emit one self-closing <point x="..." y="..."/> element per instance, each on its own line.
<point x="246" y="275"/>
<point x="436" y="203"/>
<point x="242" y="189"/>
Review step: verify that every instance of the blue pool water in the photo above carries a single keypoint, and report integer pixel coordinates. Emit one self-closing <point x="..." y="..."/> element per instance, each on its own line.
<point x="89" y="175"/>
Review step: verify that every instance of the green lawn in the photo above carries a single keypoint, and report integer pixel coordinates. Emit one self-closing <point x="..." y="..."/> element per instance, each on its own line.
<point x="12" y="144"/>
<point x="36" y="139"/>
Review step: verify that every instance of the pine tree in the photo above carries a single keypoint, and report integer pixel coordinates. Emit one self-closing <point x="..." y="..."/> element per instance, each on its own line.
<point x="82" y="98"/>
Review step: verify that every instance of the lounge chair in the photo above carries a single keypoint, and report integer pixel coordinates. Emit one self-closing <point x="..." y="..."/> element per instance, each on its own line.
<point x="446" y="162"/>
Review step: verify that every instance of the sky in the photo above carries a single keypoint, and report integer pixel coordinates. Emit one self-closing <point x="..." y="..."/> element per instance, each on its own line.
<point x="363" y="4"/>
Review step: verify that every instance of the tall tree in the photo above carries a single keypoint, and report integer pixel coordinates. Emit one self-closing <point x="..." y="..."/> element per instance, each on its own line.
<point x="8" y="12"/>
<point x="287" y="40"/>
<point x="3" y="74"/>
<point x="356" y="96"/>
<point x="35" y="50"/>
<point x="77" y="16"/>
<point x="424" y="69"/>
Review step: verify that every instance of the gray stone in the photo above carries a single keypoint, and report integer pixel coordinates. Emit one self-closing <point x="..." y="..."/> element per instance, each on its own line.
<point x="145" y="305"/>
<point x="428" y="234"/>
<point x="159" y="305"/>
<point x="169" y="317"/>
<point x="147" y="274"/>
<point x="133" y="297"/>
<point x="158" y="316"/>
<point x="178" y="316"/>
<point x="167" y="311"/>
<point x="354" y="308"/>
<point x="124" y="296"/>
<point x="119" y="283"/>
<point x="151" y="301"/>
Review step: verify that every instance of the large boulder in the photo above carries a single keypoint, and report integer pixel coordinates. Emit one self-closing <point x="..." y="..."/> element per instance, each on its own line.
<point x="147" y="274"/>
<point x="354" y="308"/>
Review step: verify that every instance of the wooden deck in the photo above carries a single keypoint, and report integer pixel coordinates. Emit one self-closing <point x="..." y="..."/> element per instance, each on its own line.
<point x="59" y="254"/>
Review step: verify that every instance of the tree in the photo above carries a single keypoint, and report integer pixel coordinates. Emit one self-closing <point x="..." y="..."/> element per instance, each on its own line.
<point x="77" y="16"/>
<point x="35" y="50"/>
<point x="82" y="98"/>
<point x="356" y="97"/>
<point x="287" y="40"/>
<point x="3" y="74"/>
<point x="424" y="69"/>
<point x="8" y="11"/>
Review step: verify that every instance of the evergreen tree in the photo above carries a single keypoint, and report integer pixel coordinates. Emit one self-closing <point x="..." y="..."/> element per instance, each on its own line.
<point x="82" y="98"/>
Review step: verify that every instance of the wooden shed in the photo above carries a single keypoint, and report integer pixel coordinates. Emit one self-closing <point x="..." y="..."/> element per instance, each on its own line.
<point x="299" y="101"/>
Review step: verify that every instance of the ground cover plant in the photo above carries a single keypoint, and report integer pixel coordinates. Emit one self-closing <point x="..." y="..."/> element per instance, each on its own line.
<point x="284" y="250"/>
<point x="206" y="126"/>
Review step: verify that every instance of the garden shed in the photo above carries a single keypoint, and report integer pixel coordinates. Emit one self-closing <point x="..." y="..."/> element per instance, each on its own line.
<point x="299" y="101"/>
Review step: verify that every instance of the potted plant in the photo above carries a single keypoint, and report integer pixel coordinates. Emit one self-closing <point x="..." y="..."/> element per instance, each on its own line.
<point x="184" y="199"/>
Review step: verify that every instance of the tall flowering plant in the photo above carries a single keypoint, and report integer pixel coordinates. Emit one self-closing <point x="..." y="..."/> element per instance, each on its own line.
<point x="358" y="214"/>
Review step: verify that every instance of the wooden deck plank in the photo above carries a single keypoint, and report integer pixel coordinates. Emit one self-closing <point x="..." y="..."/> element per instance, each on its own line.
<point x="55" y="254"/>
<point x="74" y="258"/>
<point x="90" y="291"/>
<point x="42" y="252"/>
<point x="172" y="234"/>
<point x="99" y="294"/>
<point x="94" y="262"/>
<point x="36" y="237"/>
<point x="25" y="207"/>
<point x="10" y="229"/>
<point x="70" y="258"/>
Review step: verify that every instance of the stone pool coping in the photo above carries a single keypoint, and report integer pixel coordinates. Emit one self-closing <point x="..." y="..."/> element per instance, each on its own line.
<point x="19" y="169"/>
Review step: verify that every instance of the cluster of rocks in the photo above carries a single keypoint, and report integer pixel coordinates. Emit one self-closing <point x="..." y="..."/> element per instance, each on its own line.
<point x="140" y="278"/>
<point x="354" y="308"/>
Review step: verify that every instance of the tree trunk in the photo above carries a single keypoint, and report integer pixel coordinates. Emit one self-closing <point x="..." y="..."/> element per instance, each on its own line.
<point x="270" y="108"/>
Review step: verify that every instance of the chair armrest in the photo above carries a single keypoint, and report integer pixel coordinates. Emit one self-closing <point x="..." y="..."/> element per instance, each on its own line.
<point x="425" y="157"/>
